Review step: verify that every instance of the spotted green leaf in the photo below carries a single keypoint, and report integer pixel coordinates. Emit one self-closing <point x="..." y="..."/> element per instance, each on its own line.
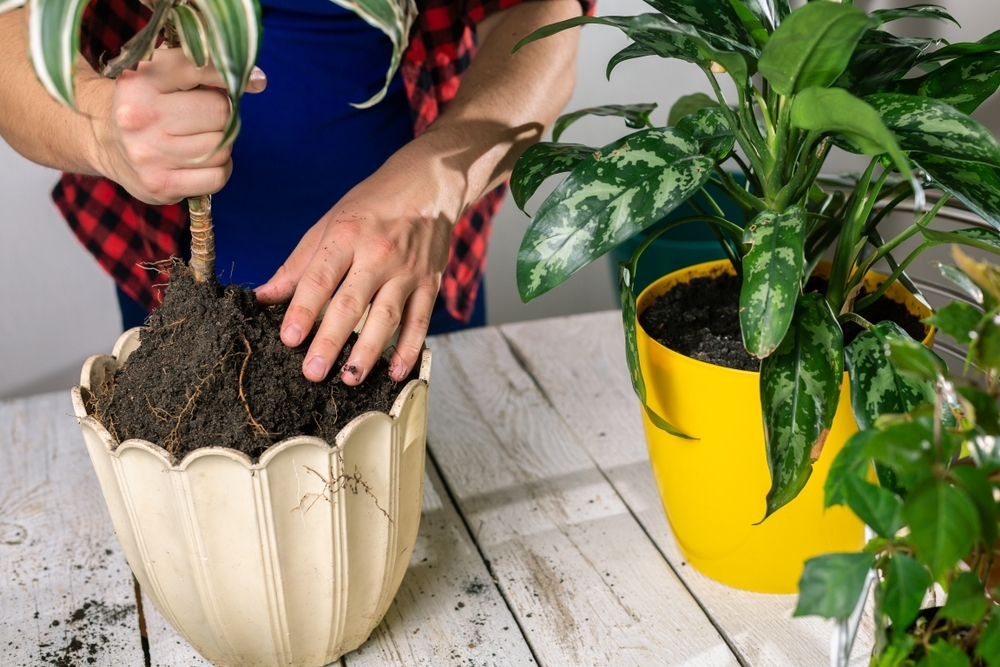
<point x="921" y="11"/>
<point x="906" y="583"/>
<point x="879" y="508"/>
<point x="988" y="44"/>
<point x="879" y="59"/>
<point x="140" y="46"/>
<point x="834" y="110"/>
<point x="877" y="386"/>
<point x="975" y="185"/>
<point x="932" y="127"/>
<point x="753" y="23"/>
<point x="630" y="52"/>
<point x="635" y="115"/>
<point x="394" y="18"/>
<point x="910" y="357"/>
<point x="689" y="104"/>
<point x="54" y="42"/>
<point x="943" y="524"/>
<point x="975" y="237"/>
<point x="630" y="185"/>
<point x="7" y="5"/>
<point x="191" y="30"/>
<point x="772" y="270"/>
<point x="812" y="46"/>
<point x="799" y="391"/>
<point x="683" y="41"/>
<point x="709" y="128"/>
<point x="716" y="20"/>
<point x="831" y="585"/>
<point x="541" y="161"/>
<point x="626" y="275"/>
<point x="964" y="83"/>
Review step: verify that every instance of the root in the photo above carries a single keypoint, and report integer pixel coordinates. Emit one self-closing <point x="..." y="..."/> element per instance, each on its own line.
<point x="261" y="431"/>
<point x="173" y="438"/>
<point x="334" y="485"/>
<point x="161" y="414"/>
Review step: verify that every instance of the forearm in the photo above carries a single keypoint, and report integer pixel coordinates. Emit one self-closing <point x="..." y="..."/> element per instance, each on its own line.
<point x="34" y="124"/>
<point x="505" y="101"/>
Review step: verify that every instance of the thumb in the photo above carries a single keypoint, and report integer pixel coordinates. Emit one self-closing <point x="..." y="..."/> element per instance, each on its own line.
<point x="258" y="80"/>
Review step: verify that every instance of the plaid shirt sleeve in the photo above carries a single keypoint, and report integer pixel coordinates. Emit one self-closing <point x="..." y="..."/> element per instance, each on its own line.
<point x="128" y="237"/>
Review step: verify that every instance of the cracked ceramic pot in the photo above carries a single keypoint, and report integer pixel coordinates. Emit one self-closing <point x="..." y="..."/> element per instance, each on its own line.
<point x="292" y="560"/>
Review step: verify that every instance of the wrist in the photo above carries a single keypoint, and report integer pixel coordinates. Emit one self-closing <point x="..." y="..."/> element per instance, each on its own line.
<point x="93" y="95"/>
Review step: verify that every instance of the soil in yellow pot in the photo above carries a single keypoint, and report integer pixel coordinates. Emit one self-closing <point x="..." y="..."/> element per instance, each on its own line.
<point x="714" y="488"/>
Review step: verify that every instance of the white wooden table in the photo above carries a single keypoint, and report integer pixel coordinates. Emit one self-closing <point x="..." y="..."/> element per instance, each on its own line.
<point x="542" y="541"/>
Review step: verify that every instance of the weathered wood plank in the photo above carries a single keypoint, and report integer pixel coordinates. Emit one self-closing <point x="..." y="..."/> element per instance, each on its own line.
<point x="580" y="363"/>
<point x="585" y="583"/>
<point x="447" y="610"/>
<point x="65" y="589"/>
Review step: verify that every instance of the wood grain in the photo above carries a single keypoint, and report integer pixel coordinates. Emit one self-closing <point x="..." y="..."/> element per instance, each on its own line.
<point x="66" y="592"/>
<point x="580" y="364"/>
<point x="585" y="583"/>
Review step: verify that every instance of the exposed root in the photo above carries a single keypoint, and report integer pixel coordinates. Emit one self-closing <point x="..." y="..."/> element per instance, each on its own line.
<point x="161" y="414"/>
<point x="261" y="431"/>
<point x="354" y="483"/>
<point x="173" y="438"/>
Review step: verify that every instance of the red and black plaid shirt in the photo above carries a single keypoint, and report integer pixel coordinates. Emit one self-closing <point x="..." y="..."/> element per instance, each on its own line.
<point x="125" y="234"/>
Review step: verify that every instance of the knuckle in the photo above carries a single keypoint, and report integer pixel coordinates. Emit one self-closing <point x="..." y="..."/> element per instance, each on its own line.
<point x="132" y="117"/>
<point x="349" y="306"/>
<point x="385" y="314"/>
<point x="382" y="249"/>
<point x="319" y="282"/>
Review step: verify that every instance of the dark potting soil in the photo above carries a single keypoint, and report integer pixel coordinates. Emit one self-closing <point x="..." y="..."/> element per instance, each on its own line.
<point x="212" y="371"/>
<point x="700" y="319"/>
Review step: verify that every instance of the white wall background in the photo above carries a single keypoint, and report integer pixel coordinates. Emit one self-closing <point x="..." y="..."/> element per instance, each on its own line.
<point x="57" y="307"/>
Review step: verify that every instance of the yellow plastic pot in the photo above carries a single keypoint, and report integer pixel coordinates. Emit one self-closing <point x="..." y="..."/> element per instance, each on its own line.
<point x="714" y="488"/>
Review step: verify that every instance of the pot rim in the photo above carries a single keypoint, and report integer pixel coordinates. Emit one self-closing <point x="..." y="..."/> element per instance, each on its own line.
<point x="128" y="342"/>
<point x="718" y="267"/>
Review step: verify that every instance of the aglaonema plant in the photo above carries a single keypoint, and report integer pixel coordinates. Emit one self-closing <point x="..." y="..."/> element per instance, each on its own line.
<point x="937" y="521"/>
<point x="825" y="75"/>
<point x="224" y="33"/>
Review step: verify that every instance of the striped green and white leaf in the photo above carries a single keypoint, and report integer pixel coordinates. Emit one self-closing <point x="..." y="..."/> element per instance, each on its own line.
<point x="192" y="33"/>
<point x="975" y="185"/>
<point x="392" y="17"/>
<point x="877" y="386"/>
<point x="684" y="41"/>
<point x="54" y="42"/>
<point x="964" y="83"/>
<point x="930" y="126"/>
<point x="630" y="52"/>
<point x="630" y="185"/>
<point x="626" y="275"/>
<point x="879" y="59"/>
<point x="921" y="11"/>
<point x="7" y="5"/>
<point x="835" y="110"/>
<point x="710" y="129"/>
<point x="689" y="104"/>
<point x="975" y="237"/>
<point x="140" y="46"/>
<point x="799" y="392"/>
<point x="772" y="271"/>
<point x="635" y="116"/>
<point x="813" y="46"/>
<point x="541" y="161"/>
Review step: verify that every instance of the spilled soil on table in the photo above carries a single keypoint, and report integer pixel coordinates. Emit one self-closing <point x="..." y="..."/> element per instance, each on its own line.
<point x="701" y="319"/>
<point x="212" y="371"/>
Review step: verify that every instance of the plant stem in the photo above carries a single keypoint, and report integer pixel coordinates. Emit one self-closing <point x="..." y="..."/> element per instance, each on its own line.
<point x="842" y="258"/>
<point x="886" y="210"/>
<point x="877" y="294"/>
<point x="743" y="199"/>
<point x="741" y="136"/>
<point x="857" y="319"/>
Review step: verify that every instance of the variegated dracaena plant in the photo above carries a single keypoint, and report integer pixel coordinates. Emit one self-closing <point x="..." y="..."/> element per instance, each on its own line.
<point x="226" y="33"/>
<point x="826" y="74"/>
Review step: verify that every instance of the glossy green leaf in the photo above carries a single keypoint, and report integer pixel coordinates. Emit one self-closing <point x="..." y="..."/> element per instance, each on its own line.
<point x="772" y="271"/>
<point x="834" y="110"/>
<point x="716" y="20"/>
<point x="812" y="47"/>
<point x="541" y="161"/>
<point x="906" y="583"/>
<point x="683" y="41"/>
<point x="689" y="104"/>
<point x="879" y="508"/>
<point x="943" y="525"/>
<point x="975" y="483"/>
<point x="877" y="386"/>
<point x="625" y="288"/>
<point x="988" y="44"/>
<point x="964" y="83"/>
<point x="958" y="320"/>
<point x="54" y="42"/>
<point x="912" y="358"/>
<point x="932" y="127"/>
<point x="191" y="30"/>
<point x="975" y="237"/>
<point x="966" y="599"/>
<point x="140" y="46"/>
<point x="393" y="17"/>
<point x="709" y="128"/>
<point x="921" y="11"/>
<point x="832" y="585"/>
<point x="963" y="281"/>
<point x="635" y="115"/>
<point x="879" y="59"/>
<point x="620" y="22"/>
<point x="852" y="461"/>
<point x="630" y="185"/>
<point x="905" y="448"/>
<point x="233" y="28"/>
<point x="630" y="52"/>
<point x="942" y="654"/>
<point x="799" y="392"/>
<point x="770" y="12"/>
<point x="753" y="24"/>
<point x="988" y="647"/>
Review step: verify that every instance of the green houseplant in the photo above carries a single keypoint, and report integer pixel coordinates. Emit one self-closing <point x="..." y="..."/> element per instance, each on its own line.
<point x="937" y="523"/>
<point x="827" y="74"/>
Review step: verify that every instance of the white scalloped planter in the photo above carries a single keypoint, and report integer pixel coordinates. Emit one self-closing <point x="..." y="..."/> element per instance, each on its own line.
<point x="261" y="564"/>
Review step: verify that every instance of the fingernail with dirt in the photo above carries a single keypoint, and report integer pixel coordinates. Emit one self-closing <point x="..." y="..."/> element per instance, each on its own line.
<point x="315" y="368"/>
<point x="398" y="370"/>
<point x="353" y="370"/>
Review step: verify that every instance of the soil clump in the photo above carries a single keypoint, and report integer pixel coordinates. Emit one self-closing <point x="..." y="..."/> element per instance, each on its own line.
<point x="212" y="371"/>
<point x="700" y="319"/>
